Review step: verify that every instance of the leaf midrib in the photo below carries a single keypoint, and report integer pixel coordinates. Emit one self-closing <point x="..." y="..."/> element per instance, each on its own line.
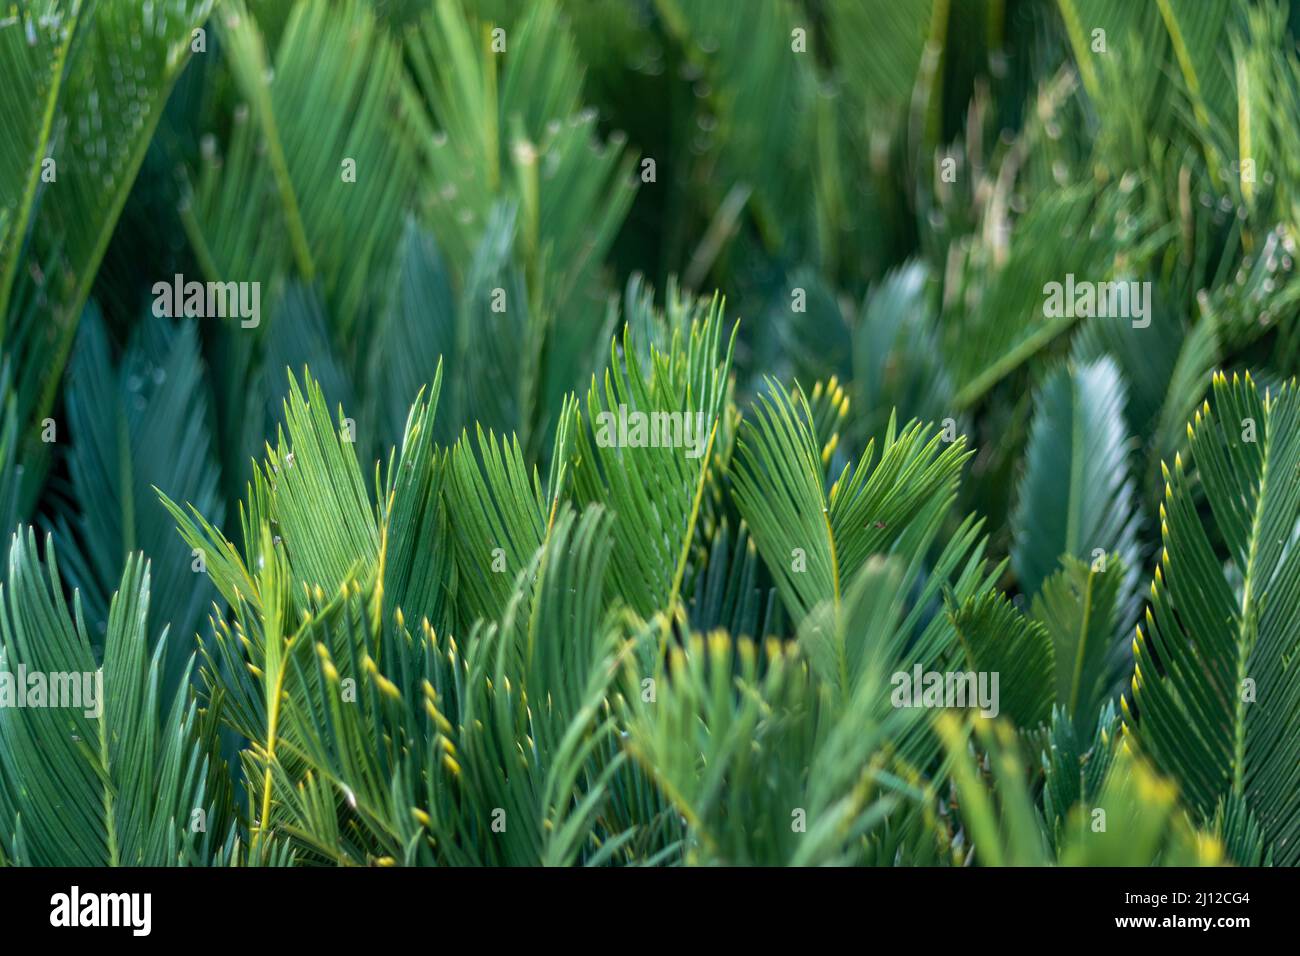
<point x="1247" y="625"/>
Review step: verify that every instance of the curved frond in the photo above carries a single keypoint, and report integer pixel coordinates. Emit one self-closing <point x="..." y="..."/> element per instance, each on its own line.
<point x="1216" y="690"/>
<point x="813" y="540"/>
<point x="99" y="763"/>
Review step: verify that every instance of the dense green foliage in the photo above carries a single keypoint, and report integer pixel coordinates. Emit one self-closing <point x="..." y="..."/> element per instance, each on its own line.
<point x="389" y="572"/>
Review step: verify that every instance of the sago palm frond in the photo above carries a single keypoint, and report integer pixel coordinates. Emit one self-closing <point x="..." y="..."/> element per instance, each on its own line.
<point x="998" y="639"/>
<point x="107" y="124"/>
<point x="34" y="46"/>
<point x="1136" y="817"/>
<point x="1076" y="497"/>
<point x="736" y="731"/>
<point x="1216" y="690"/>
<point x="1079" y="605"/>
<point x="135" y="426"/>
<point x="126" y="775"/>
<point x="340" y="198"/>
<point x="813" y="540"/>
<point x="644" y="449"/>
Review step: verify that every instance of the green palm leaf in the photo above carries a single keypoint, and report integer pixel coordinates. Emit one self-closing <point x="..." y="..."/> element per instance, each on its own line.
<point x="500" y="515"/>
<point x="999" y="640"/>
<point x="1198" y="33"/>
<point x="813" y="540"/>
<point x="530" y="721"/>
<point x="887" y="51"/>
<point x="516" y="132"/>
<point x="759" y="101"/>
<point x="1076" y="498"/>
<point x="136" y="785"/>
<point x="526" y="202"/>
<point x="644" y="450"/>
<point x="315" y="471"/>
<point x="1120" y="50"/>
<point x="1075" y="766"/>
<point x="341" y="186"/>
<point x="1135" y="818"/>
<point x="136" y="427"/>
<point x="1216" y="695"/>
<point x="1079" y="606"/>
<point x="417" y="573"/>
<point x="735" y="731"/>
<point x="33" y="50"/>
<point x="108" y="125"/>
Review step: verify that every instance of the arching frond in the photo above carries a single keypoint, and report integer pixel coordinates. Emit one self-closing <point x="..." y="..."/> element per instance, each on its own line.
<point x="100" y="764"/>
<point x="1216" y="691"/>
